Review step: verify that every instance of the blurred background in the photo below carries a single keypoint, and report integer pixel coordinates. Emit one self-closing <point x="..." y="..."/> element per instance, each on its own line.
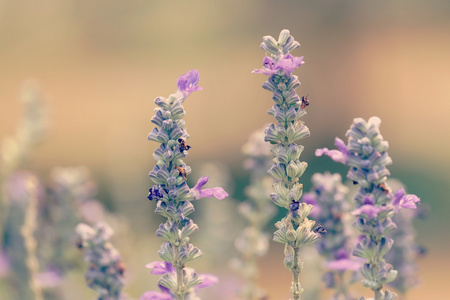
<point x="101" y="64"/>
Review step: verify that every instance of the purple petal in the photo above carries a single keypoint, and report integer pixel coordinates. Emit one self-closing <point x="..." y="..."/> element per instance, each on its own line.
<point x="369" y="210"/>
<point x="310" y="199"/>
<point x="4" y="264"/>
<point x="187" y="83"/>
<point x="160" y="267"/>
<point x="341" y="145"/>
<point x="342" y="253"/>
<point x="404" y="201"/>
<point x="152" y="295"/>
<point x="265" y="71"/>
<point x="289" y="63"/>
<point x="217" y="192"/>
<point x="207" y="280"/>
<point x="335" y="155"/>
<point x="50" y="278"/>
<point x="343" y="264"/>
<point x="269" y="67"/>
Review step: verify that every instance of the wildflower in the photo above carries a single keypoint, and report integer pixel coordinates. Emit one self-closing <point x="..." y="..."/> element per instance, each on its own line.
<point x="105" y="273"/>
<point x="170" y="279"/>
<point x="295" y="230"/>
<point x="199" y="193"/>
<point x="171" y="191"/>
<point x="366" y="155"/>
<point x="329" y="197"/>
<point x="253" y="243"/>
<point x="187" y="83"/>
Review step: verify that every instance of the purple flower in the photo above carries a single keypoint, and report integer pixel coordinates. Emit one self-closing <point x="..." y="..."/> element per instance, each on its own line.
<point x="269" y="68"/>
<point x="289" y="63"/>
<point x="4" y="264"/>
<point x="343" y="264"/>
<point x="404" y="201"/>
<point x="199" y="193"/>
<point x="187" y="83"/>
<point x="155" y="193"/>
<point x="369" y="210"/>
<point x="310" y="199"/>
<point x="207" y="280"/>
<point x="152" y="295"/>
<point x="49" y="278"/>
<point x="160" y="267"/>
<point x="336" y="155"/>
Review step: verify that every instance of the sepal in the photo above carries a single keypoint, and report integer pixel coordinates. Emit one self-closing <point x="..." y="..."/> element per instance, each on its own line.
<point x="296" y="131"/>
<point x="278" y="171"/>
<point x="189" y="252"/>
<point x="166" y="252"/>
<point x="168" y="231"/>
<point x="168" y="281"/>
<point x="269" y="45"/>
<point x="303" y="211"/>
<point x="162" y="102"/>
<point x="188" y="228"/>
<point x="191" y="278"/>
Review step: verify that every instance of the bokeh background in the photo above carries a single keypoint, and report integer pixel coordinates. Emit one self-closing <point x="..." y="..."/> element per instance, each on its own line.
<point x="101" y="63"/>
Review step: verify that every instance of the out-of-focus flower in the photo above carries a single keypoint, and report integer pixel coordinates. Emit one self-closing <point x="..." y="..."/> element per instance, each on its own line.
<point x="283" y="66"/>
<point x="4" y="264"/>
<point x="295" y="230"/>
<point x="401" y="200"/>
<point x="187" y="83"/>
<point x="153" y="295"/>
<point x="51" y="277"/>
<point x="366" y="155"/>
<point x="106" y="269"/>
<point x="171" y="191"/>
<point x="199" y="192"/>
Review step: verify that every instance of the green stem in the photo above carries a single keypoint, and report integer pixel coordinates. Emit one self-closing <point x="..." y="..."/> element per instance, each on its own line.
<point x="181" y="290"/>
<point x="296" y="288"/>
<point x="378" y="295"/>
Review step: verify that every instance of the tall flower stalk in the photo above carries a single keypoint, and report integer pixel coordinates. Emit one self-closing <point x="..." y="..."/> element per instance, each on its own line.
<point x="366" y="155"/>
<point x="106" y="269"/>
<point x="253" y="242"/>
<point x="294" y="230"/>
<point x="172" y="192"/>
<point x="28" y="229"/>
<point x="331" y="207"/>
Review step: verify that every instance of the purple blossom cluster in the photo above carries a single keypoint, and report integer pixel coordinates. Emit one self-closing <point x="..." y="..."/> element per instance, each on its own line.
<point x="294" y="230"/>
<point x="331" y="207"/>
<point x="253" y="242"/>
<point x="106" y="269"/>
<point x="171" y="191"/>
<point x="366" y="155"/>
<point x="170" y="278"/>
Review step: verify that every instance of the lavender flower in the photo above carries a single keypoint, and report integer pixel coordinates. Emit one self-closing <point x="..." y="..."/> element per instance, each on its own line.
<point x="253" y="242"/>
<point x="170" y="278"/>
<point x="366" y="155"/>
<point x="329" y="197"/>
<point x="105" y="273"/>
<point x="14" y="154"/>
<point x="405" y="252"/>
<point x="295" y="230"/>
<point x="171" y="191"/>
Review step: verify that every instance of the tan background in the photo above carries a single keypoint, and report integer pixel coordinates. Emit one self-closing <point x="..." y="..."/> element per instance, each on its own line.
<point x="101" y="63"/>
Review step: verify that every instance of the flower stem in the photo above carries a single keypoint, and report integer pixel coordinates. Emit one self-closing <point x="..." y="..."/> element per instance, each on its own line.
<point x="296" y="287"/>
<point x="180" y="291"/>
<point x="27" y="230"/>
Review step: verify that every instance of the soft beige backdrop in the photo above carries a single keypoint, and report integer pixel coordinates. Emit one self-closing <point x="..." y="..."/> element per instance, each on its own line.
<point x="102" y="62"/>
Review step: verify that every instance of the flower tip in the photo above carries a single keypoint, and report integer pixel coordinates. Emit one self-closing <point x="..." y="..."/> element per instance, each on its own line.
<point x="321" y="151"/>
<point x="187" y="83"/>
